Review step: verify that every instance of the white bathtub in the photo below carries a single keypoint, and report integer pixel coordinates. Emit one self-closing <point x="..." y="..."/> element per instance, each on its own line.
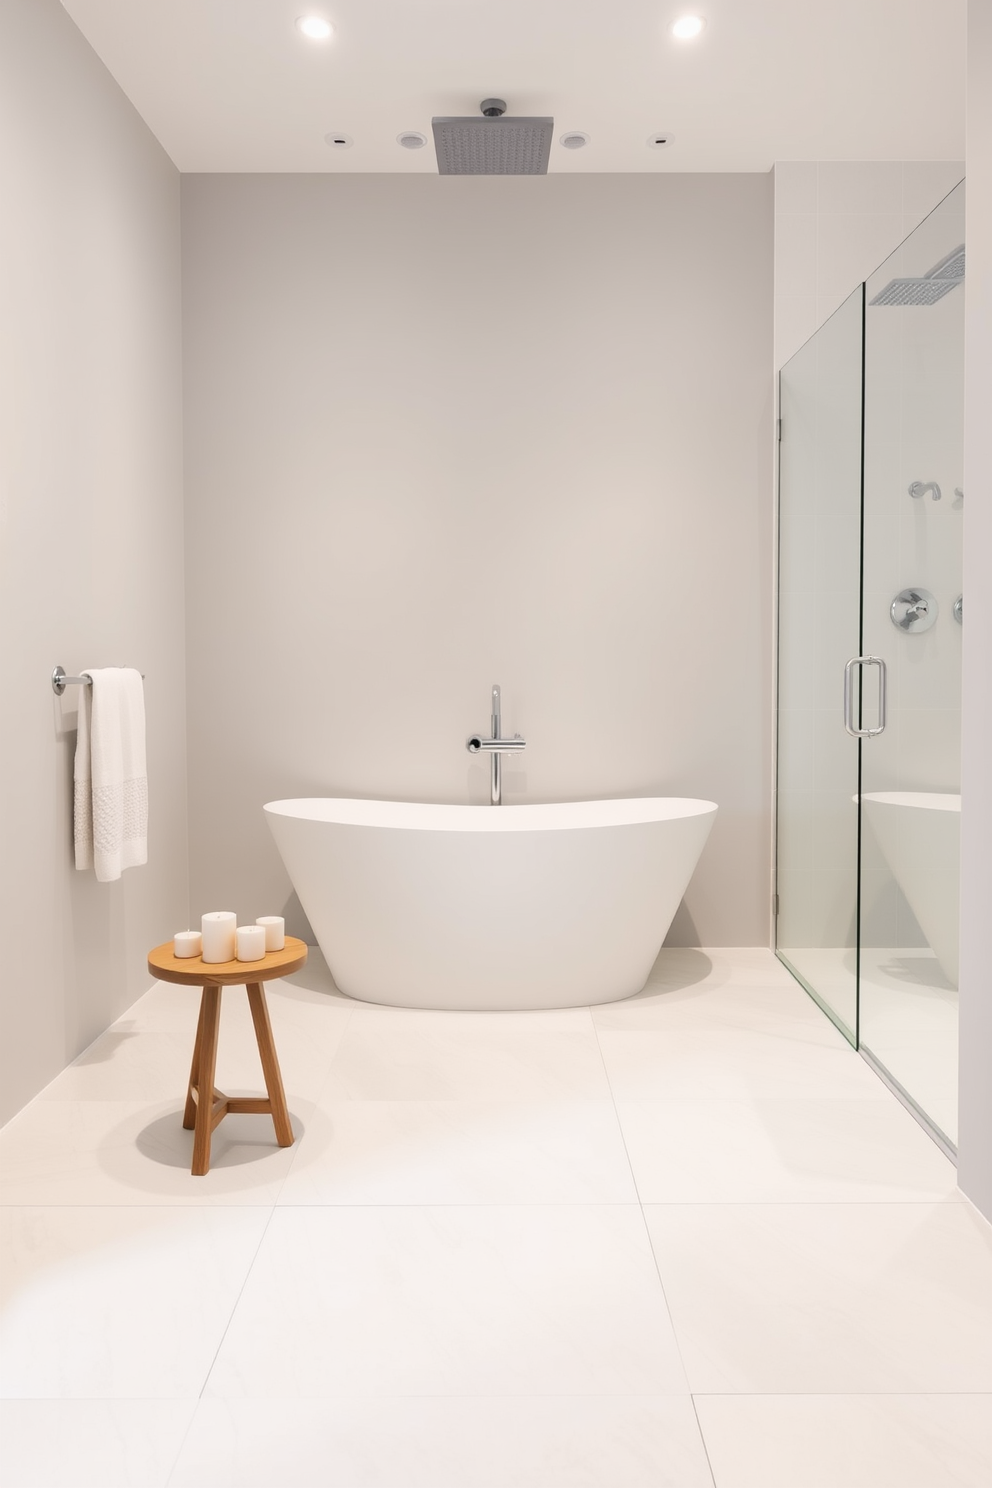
<point x="919" y="833"/>
<point x="490" y="907"/>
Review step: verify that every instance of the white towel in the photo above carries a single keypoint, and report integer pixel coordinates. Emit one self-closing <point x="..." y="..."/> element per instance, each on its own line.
<point x="110" y="808"/>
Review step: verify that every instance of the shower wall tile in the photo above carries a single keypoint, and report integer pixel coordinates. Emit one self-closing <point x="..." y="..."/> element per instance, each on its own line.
<point x="865" y="187"/>
<point x="862" y="211"/>
<point x="850" y="246"/>
<point x="924" y="184"/>
<point x="795" y="186"/>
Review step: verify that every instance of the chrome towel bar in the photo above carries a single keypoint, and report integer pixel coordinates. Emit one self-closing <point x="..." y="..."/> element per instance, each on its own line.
<point x="60" y="681"/>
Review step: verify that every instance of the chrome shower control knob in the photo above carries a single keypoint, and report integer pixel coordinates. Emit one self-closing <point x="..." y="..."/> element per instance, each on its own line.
<point x="958" y="610"/>
<point x="914" y="610"/>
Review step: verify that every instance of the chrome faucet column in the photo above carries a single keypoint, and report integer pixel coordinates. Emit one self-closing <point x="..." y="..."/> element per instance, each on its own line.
<point x="495" y="748"/>
<point x="496" y="760"/>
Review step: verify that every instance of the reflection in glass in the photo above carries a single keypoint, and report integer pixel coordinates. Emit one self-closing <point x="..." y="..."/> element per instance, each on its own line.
<point x="819" y="616"/>
<point x="871" y="513"/>
<point x="914" y="400"/>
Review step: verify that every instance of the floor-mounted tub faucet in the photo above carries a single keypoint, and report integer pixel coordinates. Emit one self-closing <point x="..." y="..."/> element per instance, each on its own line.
<point x="495" y="747"/>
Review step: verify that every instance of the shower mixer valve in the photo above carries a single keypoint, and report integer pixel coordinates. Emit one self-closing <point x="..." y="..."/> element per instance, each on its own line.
<point x="914" y="610"/>
<point x="495" y="748"/>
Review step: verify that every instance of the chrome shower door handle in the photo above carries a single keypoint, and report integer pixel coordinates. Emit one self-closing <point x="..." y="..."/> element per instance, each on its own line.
<point x="856" y="661"/>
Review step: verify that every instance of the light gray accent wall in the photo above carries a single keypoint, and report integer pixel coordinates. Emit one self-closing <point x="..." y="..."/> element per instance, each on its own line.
<point x="975" y="1142"/>
<point x="90" y="526"/>
<point x="442" y="433"/>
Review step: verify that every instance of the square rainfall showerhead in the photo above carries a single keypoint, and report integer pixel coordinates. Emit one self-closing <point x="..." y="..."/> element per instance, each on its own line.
<point x="929" y="287"/>
<point x="493" y="147"/>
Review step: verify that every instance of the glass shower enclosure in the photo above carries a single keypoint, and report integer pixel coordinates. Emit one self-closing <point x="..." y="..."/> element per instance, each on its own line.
<point x="870" y="617"/>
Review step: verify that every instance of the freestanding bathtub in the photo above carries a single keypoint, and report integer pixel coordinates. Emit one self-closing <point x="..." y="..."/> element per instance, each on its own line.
<point x="919" y="833"/>
<point x="483" y="907"/>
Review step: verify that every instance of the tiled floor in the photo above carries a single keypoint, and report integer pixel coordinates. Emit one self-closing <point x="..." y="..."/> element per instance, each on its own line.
<point x="681" y="1241"/>
<point x="908" y="1017"/>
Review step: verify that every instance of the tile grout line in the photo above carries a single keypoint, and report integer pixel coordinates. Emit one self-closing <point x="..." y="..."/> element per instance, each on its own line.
<point x="654" y="1255"/>
<point x="702" y="1438"/>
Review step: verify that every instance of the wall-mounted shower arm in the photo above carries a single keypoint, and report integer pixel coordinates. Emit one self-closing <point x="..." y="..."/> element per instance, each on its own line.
<point x="920" y="488"/>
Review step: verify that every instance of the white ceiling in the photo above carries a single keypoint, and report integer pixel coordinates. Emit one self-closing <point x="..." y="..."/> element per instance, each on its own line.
<point x="231" y="85"/>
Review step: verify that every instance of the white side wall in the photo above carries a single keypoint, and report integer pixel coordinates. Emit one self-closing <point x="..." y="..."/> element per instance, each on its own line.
<point x="975" y="1142"/>
<point x="91" y="536"/>
<point x="448" y="432"/>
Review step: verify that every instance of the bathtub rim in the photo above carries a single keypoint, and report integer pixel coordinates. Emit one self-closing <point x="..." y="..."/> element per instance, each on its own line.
<point x="916" y="800"/>
<point x="426" y="816"/>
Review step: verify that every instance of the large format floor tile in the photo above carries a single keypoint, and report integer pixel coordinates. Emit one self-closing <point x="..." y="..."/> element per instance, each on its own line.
<point x="734" y="1064"/>
<point x="128" y="1063"/>
<point x="828" y="1298"/>
<point x="135" y="1152"/>
<point x="91" y="1443"/>
<point x="463" y="1152"/>
<point x="457" y="1301"/>
<point x="781" y="1151"/>
<point x="848" y="1441"/>
<point x="549" y="1442"/>
<point x="719" y="967"/>
<point x="119" y="1303"/>
<point x="775" y="1008"/>
<point x="462" y="1056"/>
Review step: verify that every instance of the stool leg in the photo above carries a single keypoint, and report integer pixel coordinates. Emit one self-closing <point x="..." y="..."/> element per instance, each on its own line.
<point x="189" y="1114"/>
<point x="270" y="1064"/>
<point x="210" y="1017"/>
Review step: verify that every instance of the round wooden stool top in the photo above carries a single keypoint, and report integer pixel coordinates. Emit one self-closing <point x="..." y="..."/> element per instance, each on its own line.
<point x="193" y="971"/>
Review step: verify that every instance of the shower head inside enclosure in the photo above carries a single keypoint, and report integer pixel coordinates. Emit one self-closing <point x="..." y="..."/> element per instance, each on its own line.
<point x="492" y="145"/>
<point x="929" y="288"/>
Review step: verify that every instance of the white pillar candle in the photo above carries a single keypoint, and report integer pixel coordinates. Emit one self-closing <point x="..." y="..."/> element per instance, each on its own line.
<point x="218" y="929"/>
<point x="187" y="943"/>
<point x="275" y="932"/>
<point x="251" y="942"/>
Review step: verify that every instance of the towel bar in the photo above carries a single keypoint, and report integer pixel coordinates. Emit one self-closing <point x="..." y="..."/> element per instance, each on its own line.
<point x="60" y="681"/>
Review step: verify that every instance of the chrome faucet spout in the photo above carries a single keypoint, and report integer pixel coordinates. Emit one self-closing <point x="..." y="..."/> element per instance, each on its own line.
<point x="477" y="744"/>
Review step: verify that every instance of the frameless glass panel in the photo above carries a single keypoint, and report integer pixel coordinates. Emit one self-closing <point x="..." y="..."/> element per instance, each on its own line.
<point x="914" y="510"/>
<point x="819" y="618"/>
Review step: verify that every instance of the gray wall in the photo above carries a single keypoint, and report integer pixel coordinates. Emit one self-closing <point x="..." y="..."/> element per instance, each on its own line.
<point x="975" y="1144"/>
<point x="447" y="432"/>
<point x="90" y="526"/>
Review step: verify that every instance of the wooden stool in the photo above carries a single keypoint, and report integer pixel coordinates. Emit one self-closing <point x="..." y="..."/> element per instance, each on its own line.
<point x="205" y="1105"/>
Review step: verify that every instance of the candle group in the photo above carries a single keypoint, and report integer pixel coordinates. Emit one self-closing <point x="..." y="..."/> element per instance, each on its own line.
<point x="221" y="938"/>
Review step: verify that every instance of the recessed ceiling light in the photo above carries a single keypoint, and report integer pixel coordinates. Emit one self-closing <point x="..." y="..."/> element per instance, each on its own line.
<point x="338" y="141"/>
<point x="688" y="27"/>
<point x="411" y="139"/>
<point x="315" y="28"/>
<point x="574" y="140"/>
<point x="660" y="140"/>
